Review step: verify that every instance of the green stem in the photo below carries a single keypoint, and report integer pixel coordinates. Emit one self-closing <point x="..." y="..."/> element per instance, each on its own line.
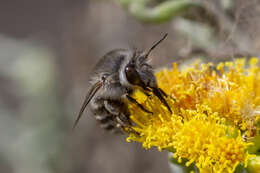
<point x="161" y="13"/>
<point x="253" y="164"/>
<point x="184" y="168"/>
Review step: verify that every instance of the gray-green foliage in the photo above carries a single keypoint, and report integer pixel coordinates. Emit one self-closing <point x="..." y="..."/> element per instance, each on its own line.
<point x="30" y="136"/>
<point x="162" y="12"/>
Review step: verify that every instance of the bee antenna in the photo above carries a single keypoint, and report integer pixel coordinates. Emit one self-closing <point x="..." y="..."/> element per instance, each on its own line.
<point x="155" y="45"/>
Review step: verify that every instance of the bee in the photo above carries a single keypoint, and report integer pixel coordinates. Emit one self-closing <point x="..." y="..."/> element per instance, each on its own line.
<point x="115" y="77"/>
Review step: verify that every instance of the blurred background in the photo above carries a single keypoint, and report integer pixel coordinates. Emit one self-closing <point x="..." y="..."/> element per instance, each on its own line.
<point x="48" y="48"/>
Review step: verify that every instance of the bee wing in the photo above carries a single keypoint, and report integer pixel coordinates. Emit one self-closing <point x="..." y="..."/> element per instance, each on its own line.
<point x="89" y="96"/>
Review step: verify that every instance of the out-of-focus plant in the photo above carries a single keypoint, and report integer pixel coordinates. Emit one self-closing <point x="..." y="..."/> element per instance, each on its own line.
<point x="31" y="134"/>
<point x="162" y="12"/>
<point x="216" y="16"/>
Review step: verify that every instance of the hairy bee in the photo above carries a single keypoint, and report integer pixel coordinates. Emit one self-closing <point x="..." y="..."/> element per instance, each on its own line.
<point x="115" y="77"/>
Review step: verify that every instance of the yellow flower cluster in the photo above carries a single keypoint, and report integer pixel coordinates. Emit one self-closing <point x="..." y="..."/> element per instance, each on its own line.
<point x="232" y="90"/>
<point x="211" y="108"/>
<point x="204" y="140"/>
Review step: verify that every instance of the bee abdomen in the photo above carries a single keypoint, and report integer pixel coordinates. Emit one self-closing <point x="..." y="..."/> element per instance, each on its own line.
<point x="103" y="118"/>
<point x="106" y="120"/>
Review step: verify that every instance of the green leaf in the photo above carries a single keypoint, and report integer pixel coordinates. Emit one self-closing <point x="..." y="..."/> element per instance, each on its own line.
<point x="254" y="165"/>
<point x="161" y="13"/>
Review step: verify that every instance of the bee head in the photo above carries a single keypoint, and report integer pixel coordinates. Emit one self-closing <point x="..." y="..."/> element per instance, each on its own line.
<point x="138" y="72"/>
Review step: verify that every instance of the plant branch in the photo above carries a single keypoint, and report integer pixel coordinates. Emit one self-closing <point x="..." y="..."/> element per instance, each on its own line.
<point x="161" y="13"/>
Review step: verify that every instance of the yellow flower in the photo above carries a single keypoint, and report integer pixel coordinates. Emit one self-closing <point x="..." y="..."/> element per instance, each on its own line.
<point x="234" y="93"/>
<point x="211" y="108"/>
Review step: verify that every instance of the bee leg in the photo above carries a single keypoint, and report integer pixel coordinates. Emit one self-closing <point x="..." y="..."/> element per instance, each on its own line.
<point x="159" y="94"/>
<point x="131" y="99"/>
<point x="122" y="125"/>
<point x="147" y="94"/>
<point x="166" y="95"/>
<point x="163" y="93"/>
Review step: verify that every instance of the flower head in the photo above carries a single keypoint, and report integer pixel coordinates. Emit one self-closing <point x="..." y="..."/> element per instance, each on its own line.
<point x="211" y="109"/>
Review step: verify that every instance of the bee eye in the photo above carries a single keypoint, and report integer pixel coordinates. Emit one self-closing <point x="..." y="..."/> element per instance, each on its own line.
<point x="104" y="76"/>
<point x="132" y="75"/>
<point x="129" y="70"/>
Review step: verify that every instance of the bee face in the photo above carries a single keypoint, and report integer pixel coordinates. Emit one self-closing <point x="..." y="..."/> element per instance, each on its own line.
<point x="132" y="72"/>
